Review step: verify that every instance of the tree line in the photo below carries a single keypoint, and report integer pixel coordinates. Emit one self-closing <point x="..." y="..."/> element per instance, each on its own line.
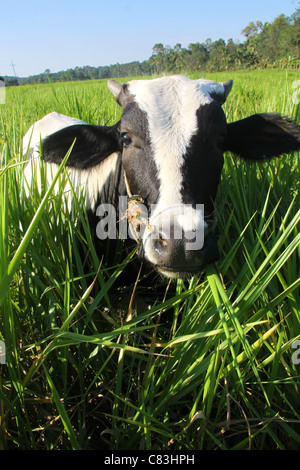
<point x="275" y="44"/>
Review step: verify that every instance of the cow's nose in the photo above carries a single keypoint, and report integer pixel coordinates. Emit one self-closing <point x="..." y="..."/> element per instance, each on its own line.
<point x="172" y="254"/>
<point x="175" y="241"/>
<point x="167" y="251"/>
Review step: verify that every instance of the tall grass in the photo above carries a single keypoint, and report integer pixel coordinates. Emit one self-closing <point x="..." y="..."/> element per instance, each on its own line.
<point x="92" y="364"/>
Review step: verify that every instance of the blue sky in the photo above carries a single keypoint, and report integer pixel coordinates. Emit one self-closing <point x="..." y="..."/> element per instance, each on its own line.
<point x="61" y="34"/>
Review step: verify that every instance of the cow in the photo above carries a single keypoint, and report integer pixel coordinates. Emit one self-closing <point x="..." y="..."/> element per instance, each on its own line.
<point x="166" y="156"/>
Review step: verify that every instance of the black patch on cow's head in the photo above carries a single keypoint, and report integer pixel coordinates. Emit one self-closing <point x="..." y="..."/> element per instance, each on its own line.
<point x="203" y="161"/>
<point x="137" y="158"/>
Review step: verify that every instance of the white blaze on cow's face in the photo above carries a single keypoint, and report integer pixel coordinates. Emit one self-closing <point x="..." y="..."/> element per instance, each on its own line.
<point x="171" y="104"/>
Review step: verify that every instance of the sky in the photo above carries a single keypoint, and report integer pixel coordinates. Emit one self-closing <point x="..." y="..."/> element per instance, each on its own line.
<point x="60" y="34"/>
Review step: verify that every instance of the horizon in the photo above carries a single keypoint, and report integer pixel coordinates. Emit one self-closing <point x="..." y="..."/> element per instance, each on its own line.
<point x="37" y="38"/>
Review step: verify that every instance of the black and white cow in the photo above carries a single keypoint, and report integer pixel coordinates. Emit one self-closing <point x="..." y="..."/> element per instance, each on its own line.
<point x="168" y="150"/>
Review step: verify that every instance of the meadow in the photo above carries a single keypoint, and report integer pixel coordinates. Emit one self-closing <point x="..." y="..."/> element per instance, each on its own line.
<point x="93" y="363"/>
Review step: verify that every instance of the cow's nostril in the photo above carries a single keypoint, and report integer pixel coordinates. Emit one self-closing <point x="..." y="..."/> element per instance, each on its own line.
<point x="160" y="243"/>
<point x="166" y="251"/>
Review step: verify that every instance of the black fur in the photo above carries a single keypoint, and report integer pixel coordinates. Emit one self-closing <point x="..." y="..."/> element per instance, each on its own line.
<point x="262" y="136"/>
<point x="203" y="160"/>
<point x="138" y="162"/>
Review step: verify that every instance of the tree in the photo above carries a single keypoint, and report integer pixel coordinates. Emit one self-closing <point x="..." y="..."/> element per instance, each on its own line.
<point x="218" y="55"/>
<point x="296" y="33"/>
<point x="273" y="43"/>
<point x="157" y="59"/>
<point x="199" y="56"/>
<point x="253" y="29"/>
<point x="231" y="53"/>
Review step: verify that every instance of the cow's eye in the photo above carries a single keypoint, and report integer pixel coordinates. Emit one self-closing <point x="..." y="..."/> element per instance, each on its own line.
<point x="125" y="139"/>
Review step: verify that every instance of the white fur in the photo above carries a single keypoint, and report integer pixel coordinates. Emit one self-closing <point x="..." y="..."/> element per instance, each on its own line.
<point x="86" y="183"/>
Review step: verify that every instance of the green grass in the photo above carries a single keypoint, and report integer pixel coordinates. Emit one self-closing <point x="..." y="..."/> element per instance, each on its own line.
<point x="209" y="364"/>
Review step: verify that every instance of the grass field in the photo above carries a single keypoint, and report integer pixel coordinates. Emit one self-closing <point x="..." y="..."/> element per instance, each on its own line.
<point x="211" y="365"/>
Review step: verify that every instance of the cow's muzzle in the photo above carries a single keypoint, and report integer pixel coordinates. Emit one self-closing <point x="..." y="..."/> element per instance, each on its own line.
<point x="178" y="242"/>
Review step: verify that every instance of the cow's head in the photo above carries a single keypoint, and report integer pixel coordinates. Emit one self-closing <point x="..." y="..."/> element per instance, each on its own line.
<point x="171" y="138"/>
<point x="173" y="131"/>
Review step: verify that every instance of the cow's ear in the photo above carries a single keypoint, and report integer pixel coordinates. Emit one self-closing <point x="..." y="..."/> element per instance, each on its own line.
<point x="262" y="136"/>
<point x="92" y="145"/>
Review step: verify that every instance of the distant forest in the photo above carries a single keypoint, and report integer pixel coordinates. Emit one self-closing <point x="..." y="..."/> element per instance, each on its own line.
<point x="275" y="44"/>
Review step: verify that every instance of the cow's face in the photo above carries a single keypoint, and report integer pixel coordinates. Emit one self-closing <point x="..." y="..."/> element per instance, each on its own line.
<point x="172" y="132"/>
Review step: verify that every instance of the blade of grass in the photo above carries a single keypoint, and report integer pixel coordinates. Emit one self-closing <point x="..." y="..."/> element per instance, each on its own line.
<point x="62" y="412"/>
<point x="14" y="263"/>
<point x="213" y="282"/>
